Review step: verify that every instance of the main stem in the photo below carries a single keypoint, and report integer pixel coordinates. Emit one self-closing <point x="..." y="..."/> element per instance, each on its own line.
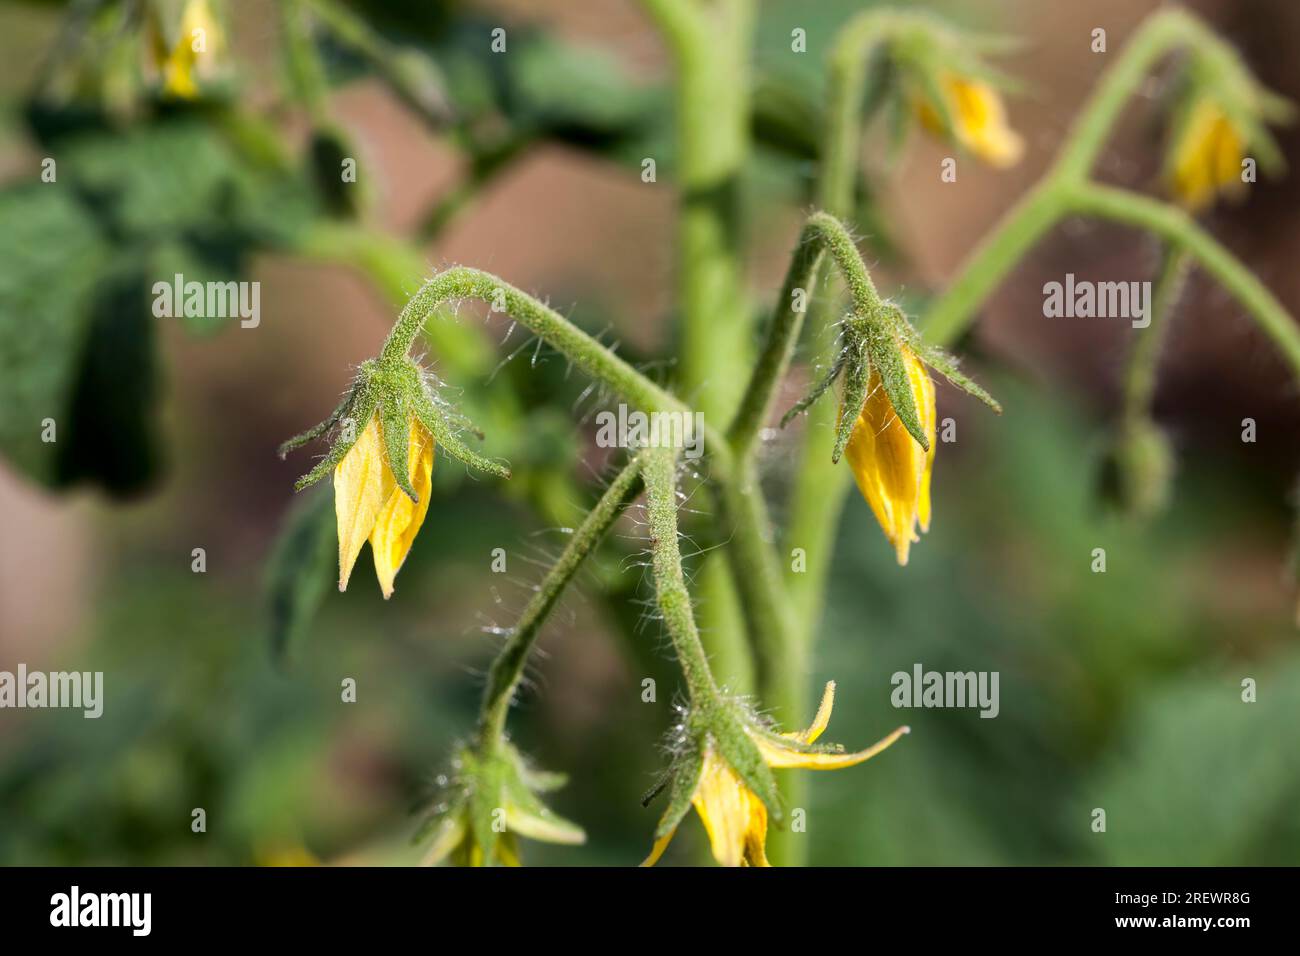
<point x="710" y="44"/>
<point x="508" y="667"/>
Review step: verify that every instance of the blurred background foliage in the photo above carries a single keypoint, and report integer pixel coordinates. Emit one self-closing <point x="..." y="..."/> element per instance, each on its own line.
<point x="1119" y="690"/>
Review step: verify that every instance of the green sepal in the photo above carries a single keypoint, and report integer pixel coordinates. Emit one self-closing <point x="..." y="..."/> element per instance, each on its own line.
<point x="947" y="366"/>
<point x="685" y="778"/>
<point x="856" y="377"/>
<point x="542" y="823"/>
<point x="485" y="802"/>
<point x="395" y="426"/>
<point x="817" y="392"/>
<point x="887" y="359"/>
<point x="311" y="434"/>
<point x="542" y="781"/>
<point x="362" y="407"/>
<point x="743" y="756"/>
<point x="300" y="570"/>
<point x="428" y="414"/>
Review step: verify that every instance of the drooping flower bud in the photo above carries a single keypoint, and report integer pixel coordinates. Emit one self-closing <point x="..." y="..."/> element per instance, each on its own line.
<point x="384" y="434"/>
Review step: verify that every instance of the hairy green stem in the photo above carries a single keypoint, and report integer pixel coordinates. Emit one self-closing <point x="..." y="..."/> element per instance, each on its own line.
<point x="659" y="469"/>
<point x="822" y="232"/>
<point x="1140" y="376"/>
<point x="820" y="485"/>
<point x="462" y="282"/>
<point x="710" y="45"/>
<point x="508" y="666"/>
<point x="757" y="572"/>
<point x="396" y="268"/>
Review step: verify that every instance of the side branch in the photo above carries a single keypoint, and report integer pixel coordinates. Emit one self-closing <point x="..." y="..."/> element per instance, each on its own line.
<point x="461" y="282"/>
<point x="508" y="667"/>
<point x="820" y="233"/>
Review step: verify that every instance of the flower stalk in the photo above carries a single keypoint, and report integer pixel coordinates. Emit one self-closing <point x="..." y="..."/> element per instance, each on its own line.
<point x="1067" y="190"/>
<point x="508" y="666"/>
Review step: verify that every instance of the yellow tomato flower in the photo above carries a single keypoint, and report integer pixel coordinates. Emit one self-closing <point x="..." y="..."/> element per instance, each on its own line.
<point x="978" y="117"/>
<point x="198" y="40"/>
<point x="891" y="468"/>
<point x="370" y="505"/>
<point x="1207" y="156"/>
<point x="733" y="815"/>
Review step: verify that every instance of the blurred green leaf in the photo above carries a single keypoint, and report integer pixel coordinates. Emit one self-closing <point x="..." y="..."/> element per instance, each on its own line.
<point x="301" y="568"/>
<point x="52" y="256"/>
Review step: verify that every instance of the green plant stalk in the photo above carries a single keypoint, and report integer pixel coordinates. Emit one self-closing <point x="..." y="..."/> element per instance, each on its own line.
<point x="821" y="233"/>
<point x="305" y="72"/>
<point x="461" y="282"/>
<point x="394" y="266"/>
<point x="508" y="666"/>
<point x="1066" y="190"/>
<point x="1181" y="232"/>
<point x="386" y="60"/>
<point x="1140" y="375"/>
<point x="781" y="640"/>
<point x="659" y="469"/>
<point x="710" y="44"/>
<point x="820" y="485"/>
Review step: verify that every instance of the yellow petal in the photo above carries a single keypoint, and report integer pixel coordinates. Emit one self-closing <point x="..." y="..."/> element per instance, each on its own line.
<point x="657" y="850"/>
<point x="400" y="518"/>
<point x="358" y="496"/>
<point x="980" y="122"/>
<point x="181" y="63"/>
<point x="1206" y="157"/>
<point x="508" y="851"/>
<point x="923" y="394"/>
<point x="756" y="834"/>
<point x="727" y="808"/>
<point x="892" y="470"/>
<point x="820" y="721"/>
<point x="779" y="757"/>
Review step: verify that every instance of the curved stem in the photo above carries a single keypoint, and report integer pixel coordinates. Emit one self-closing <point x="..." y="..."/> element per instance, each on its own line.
<point x="508" y="666"/>
<point x="768" y="613"/>
<point x="1180" y="231"/>
<point x="1051" y="199"/>
<point x="1161" y="32"/>
<point x="660" y="473"/>
<point x="997" y="254"/>
<point x="462" y="282"/>
<point x="1140" y="376"/>
<point x="394" y="267"/>
<point x="820" y="233"/>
